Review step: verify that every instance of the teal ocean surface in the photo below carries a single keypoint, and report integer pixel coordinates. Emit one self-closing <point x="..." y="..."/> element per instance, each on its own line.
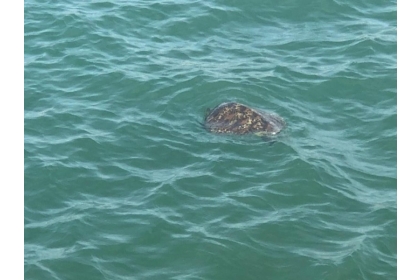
<point x="123" y="182"/>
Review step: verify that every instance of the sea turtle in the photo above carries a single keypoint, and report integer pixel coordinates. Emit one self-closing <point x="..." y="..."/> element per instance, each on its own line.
<point x="236" y="118"/>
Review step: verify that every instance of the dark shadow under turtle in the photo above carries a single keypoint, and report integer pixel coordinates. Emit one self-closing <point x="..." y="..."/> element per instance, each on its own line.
<point x="236" y="118"/>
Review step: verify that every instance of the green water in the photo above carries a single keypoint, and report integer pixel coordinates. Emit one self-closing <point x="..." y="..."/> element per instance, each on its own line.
<point x="123" y="182"/>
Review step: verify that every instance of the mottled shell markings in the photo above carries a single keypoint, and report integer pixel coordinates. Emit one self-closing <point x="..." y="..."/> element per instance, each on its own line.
<point x="236" y="118"/>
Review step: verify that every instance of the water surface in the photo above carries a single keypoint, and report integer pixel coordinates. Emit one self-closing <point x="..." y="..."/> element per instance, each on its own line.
<point x="122" y="181"/>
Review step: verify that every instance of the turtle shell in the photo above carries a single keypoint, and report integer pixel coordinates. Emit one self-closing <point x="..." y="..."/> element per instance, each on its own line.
<point x="236" y="118"/>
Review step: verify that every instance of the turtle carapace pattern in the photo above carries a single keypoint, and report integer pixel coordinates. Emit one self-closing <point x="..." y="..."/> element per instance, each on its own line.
<point x="236" y="118"/>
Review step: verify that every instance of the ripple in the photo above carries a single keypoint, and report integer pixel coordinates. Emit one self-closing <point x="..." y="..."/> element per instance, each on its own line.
<point x="122" y="181"/>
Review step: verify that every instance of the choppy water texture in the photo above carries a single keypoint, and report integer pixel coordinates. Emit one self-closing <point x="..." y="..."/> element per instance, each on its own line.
<point x="123" y="182"/>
